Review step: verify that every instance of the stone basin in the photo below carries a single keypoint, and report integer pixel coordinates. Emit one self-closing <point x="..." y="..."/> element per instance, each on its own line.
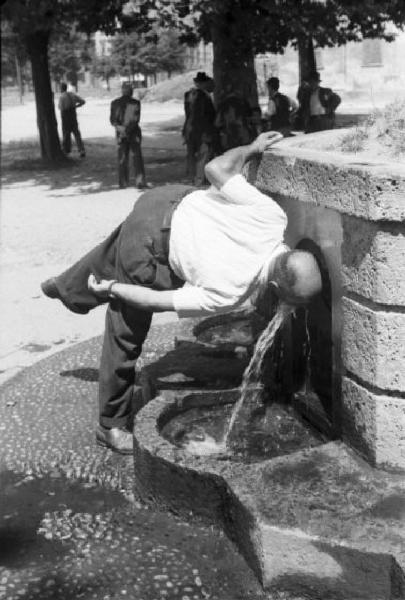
<point x="318" y="520"/>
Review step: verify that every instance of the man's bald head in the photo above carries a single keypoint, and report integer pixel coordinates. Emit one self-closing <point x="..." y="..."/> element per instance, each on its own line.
<point x="296" y="276"/>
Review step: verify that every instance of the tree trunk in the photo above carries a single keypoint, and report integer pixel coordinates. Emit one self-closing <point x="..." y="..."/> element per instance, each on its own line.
<point x="306" y="58"/>
<point x="37" y="46"/>
<point x="233" y="66"/>
<point x="19" y="78"/>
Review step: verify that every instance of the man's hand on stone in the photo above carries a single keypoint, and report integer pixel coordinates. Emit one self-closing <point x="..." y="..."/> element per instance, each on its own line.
<point x="265" y="140"/>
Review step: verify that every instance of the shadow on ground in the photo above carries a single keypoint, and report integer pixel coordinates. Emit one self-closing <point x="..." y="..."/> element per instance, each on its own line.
<point x="28" y="499"/>
<point x="85" y="374"/>
<point x="164" y="158"/>
<point x="163" y="150"/>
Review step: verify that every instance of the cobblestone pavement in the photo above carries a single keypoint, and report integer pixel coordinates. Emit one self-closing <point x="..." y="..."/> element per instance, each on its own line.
<point x="69" y="527"/>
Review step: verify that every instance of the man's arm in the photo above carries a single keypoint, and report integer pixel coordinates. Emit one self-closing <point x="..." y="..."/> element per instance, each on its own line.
<point x="335" y="101"/>
<point x="293" y="105"/>
<point x="135" y="295"/>
<point x="139" y="111"/>
<point x="78" y="101"/>
<point x="113" y="114"/>
<point x="223" y="167"/>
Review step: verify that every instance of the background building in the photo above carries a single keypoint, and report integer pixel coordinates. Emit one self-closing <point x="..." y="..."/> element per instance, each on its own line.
<point x="371" y="69"/>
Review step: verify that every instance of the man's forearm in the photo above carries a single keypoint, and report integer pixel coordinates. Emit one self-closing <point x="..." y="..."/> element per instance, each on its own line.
<point x="142" y="297"/>
<point x="223" y="167"/>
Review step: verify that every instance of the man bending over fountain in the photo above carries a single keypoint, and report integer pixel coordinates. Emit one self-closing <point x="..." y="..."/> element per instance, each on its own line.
<point x="196" y="252"/>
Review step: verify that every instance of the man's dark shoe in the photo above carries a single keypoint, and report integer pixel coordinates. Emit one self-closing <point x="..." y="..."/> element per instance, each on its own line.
<point x="49" y="288"/>
<point x="117" y="439"/>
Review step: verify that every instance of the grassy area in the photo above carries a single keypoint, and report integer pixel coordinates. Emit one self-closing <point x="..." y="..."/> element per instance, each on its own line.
<point x="383" y="131"/>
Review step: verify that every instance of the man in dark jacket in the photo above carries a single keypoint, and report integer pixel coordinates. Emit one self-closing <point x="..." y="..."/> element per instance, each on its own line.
<point x="68" y="102"/>
<point x="280" y="108"/>
<point x="235" y="120"/>
<point x="125" y="114"/>
<point x="199" y="131"/>
<point x="317" y="105"/>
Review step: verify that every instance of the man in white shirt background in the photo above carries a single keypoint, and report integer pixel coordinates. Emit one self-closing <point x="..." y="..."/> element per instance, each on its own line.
<point x="196" y="252"/>
<point x="317" y="105"/>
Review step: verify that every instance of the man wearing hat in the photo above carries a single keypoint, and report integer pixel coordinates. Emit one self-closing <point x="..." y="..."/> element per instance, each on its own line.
<point x="125" y="114"/>
<point x="317" y="105"/>
<point x="199" y="131"/>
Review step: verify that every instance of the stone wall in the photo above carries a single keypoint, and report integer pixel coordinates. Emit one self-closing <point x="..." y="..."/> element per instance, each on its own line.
<point x="370" y="199"/>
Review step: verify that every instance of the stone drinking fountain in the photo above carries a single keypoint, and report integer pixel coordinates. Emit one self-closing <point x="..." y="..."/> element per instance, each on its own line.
<point x="313" y="491"/>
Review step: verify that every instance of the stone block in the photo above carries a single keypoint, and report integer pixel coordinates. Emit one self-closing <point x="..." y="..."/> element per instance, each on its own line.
<point x="373" y="345"/>
<point x="374" y="425"/>
<point x="293" y="561"/>
<point x="373" y="192"/>
<point x="373" y="260"/>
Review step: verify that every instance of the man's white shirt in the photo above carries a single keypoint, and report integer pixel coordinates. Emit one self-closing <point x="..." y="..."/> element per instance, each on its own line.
<point x="315" y="106"/>
<point x="221" y="243"/>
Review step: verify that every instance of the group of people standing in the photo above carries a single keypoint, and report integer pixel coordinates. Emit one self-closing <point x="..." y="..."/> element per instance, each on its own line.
<point x="208" y="131"/>
<point x="314" y="111"/>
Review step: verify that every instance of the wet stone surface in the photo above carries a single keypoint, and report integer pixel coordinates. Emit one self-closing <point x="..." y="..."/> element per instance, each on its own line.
<point x="69" y="527"/>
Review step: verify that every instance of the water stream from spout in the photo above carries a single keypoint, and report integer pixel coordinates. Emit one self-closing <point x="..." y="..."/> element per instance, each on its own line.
<point x="253" y="370"/>
<point x="208" y="445"/>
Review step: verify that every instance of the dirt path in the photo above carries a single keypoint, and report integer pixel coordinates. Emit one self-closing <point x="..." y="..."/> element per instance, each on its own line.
<point x="50" y="218"/>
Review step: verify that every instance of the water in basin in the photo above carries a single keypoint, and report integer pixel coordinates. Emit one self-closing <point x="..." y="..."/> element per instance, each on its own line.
<point x="266" y="432"/>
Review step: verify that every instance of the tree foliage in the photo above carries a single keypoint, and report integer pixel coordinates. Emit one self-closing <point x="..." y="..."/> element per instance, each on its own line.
<point x="171" y="51"/>
<point x="11" y="50"/>
<point x="126" y="52"/>
<point x="103" y="67"/>
<point x="239" y="29"/>
<point x="147" y="53"/>
<point x="30" y="16"/>
<point x="69" y="51"/>
<point x="270" y="25"/>
<point x="34" y="21"/>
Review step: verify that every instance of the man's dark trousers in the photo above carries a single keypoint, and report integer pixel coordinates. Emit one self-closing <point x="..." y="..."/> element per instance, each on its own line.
<point x="133" y="253"/>
<point x="125" y="146"/>
<point x="69" y="126"/>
